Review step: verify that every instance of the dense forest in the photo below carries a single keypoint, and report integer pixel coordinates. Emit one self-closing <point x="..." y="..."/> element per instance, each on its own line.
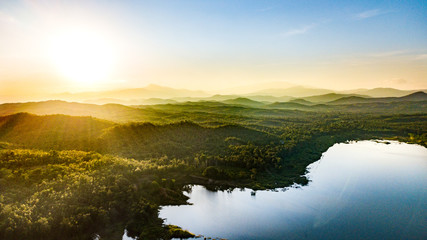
<point x="89" y="171"/>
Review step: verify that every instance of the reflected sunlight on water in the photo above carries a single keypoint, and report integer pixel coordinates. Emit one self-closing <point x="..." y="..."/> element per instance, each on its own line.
<point x="358" y="190"/>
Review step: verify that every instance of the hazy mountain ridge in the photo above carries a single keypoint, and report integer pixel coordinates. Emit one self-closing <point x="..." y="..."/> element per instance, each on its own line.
<point x="266" y="92"/>
<point x="133" y="94"/>
<point x="244" y="101"/>
<point x="297" y="91"/>
<point x="328" y="97"/>
<point x="210" y="111"/>
<point x="417" y="96"/>
<point x="383" y="92"/>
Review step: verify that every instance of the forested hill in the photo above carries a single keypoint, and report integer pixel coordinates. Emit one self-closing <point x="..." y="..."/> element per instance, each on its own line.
<point x="52" y="131"/>
<point x="206" y="113"/>
<point x="113" y="112"/>
<point x="414" y="97"/>
<point x="177" y="140"/>
<point x="137" y="140"/>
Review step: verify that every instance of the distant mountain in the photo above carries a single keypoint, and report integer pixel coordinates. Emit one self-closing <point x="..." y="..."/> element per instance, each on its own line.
<point x="216" y="97"/>
<point x="289" y="105"/>
<point x="151" y="91"/>
<point x="219" y="97"/>
<point x="381" y="92"/>
<point x="244" y="101"/>
<point x="327" y="97"/>
<point x="351" y="100"/>
<point x="301" y="101"/>
<point x="298" y="91"/>
<point x="417" y="96"/>
<point x="113" y="100"/>
<point x="270" y="99"/>
<point x="257" y="87"/>
<point x="154" y="101"/>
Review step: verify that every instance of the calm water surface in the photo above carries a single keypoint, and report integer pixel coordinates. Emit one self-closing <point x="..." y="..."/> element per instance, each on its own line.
<point x="361" y="190"/>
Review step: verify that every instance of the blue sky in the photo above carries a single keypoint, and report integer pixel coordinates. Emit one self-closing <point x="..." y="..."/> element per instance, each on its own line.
<point x="220" y="44"/>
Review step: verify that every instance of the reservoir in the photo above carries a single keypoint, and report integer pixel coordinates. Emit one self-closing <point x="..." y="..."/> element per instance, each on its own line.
<point x="357" y="190"/>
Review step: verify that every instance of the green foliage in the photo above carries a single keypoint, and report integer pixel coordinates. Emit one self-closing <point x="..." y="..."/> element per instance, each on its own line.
<point x="211" y="172"/>
<point x="48" y="195"/>
<point x="78" y="176"/>
<point x="177" y="232"/>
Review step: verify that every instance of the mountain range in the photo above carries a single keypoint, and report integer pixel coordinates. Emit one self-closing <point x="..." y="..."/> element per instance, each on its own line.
<point x="265" y="93"/>
<point x="171" y="112"/>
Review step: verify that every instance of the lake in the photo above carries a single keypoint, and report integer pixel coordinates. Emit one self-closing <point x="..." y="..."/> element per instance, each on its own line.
<point x="357" y="190"/>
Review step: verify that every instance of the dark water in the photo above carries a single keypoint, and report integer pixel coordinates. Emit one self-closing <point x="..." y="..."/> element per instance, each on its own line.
<point x="361" y="190"/>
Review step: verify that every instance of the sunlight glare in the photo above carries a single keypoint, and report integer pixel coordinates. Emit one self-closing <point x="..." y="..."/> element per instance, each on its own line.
<point x="82" y="56"/>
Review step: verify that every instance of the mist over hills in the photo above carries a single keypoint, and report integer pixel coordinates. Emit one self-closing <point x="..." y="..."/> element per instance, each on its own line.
<point x="150" y="91"/>
<point x="297" y="91"/>
<point x="382" y="92"/>
<point x="249" y="96"/>
<point x="264" y="92"/>
<point x="251" y="88"/>
<point x="417" y="96"/>
<point x="172" y="111"/>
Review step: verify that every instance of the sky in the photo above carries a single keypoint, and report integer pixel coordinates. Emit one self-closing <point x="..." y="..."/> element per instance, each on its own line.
<point x="56" y="46"/>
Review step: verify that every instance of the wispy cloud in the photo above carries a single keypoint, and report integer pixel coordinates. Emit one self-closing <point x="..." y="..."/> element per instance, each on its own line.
<point x="298" y="31"/>
<point x="371" y="13"/>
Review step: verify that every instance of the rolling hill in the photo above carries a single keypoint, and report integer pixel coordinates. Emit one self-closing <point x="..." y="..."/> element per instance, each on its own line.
<point x="244" y="102"/>
<point x="113" y="112"/>
<point x="417" y="96"/>
<point x="289" y="105"/>
<point x="52" y="131"/>
<point x="327" y="97"/>
<point x="301" y="101"/>
<point x="297" y="91"/>
<point x="382" y="92"/>
<point x="136" y="140"/>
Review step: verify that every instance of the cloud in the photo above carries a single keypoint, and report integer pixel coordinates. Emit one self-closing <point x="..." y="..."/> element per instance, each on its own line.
<point x="371" y="13"/>
<point x="299" y="31"/>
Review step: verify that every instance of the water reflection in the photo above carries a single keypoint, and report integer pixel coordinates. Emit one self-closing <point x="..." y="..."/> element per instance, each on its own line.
<point x="361" y="190"/>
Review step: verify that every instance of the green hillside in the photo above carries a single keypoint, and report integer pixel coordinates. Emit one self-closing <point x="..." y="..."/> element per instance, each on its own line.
<point x="414" y="97"/>
<point x="244" y="101"/>
<point x="52" y="132"/>
<point x="136" y="140"/>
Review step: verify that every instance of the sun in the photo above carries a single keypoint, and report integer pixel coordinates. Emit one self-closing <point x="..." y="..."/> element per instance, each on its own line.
<point x="82" y="56"/>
